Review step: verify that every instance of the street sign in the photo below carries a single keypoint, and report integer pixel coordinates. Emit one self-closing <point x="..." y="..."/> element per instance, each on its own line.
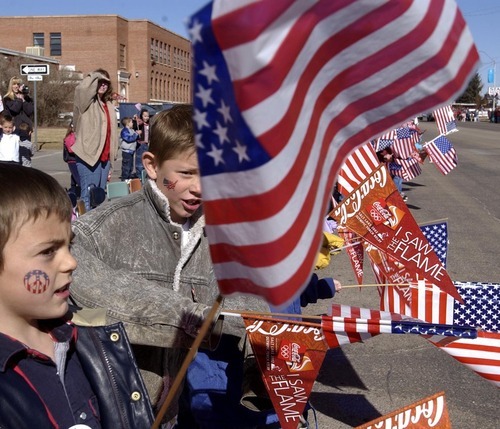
<point x="494" y="90"/>
<point x="40" y="69"/>
<point x="35" y="77"/>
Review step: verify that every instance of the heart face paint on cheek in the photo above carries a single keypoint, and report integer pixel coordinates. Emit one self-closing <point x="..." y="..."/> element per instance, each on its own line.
<point x="36" y="281"/>
<point x="168" y="184"/>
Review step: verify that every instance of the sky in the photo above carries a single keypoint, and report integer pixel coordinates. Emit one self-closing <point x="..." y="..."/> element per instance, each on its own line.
<point x="482" y="17"/>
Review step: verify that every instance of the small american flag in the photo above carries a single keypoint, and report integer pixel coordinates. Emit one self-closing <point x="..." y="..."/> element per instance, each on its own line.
<point x="356" y="168"/>
<point x="284" y="91"/>
<point x="404" y="145"/>
<point x="479" y="310"/>
<point x="481" y="355"/>
<point x="385" y="141"/>
<point x="339" y="331"/>
<point x="445" y="120"/>
<point x="407" y="169"/>
<point x="442" y="153"/>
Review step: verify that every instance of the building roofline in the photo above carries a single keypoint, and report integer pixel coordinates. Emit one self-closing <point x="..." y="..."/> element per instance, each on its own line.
<point x="38" y="58"/>
<point x="94" y="16"/>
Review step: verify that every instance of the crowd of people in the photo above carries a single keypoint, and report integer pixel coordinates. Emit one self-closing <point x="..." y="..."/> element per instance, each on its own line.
<point x="160" y="290"/>
<point x="16" y="124"/>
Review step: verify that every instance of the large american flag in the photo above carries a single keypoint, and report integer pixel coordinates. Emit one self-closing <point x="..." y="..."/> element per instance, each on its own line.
<point x="445" y="120"/>
<point x="284" y="90"/>
<point x="442" y="153"/>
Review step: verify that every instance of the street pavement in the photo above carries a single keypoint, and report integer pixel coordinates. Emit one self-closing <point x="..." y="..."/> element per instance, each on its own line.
<point x="363" y="381"/>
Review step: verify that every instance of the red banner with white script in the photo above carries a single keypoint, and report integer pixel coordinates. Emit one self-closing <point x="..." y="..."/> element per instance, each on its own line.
<point x="289" y="354"/>
<point x="431" y="412"/>
<point x="376" y="211"/>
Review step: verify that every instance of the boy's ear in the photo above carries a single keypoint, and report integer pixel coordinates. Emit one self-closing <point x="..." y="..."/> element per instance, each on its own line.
<point x="149" y="163"/>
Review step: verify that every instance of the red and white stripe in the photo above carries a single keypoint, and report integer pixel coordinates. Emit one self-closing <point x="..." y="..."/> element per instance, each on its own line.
<point x="356" y="168"/>
<point x="443" y="116"/>
<point x="481" y="355"/>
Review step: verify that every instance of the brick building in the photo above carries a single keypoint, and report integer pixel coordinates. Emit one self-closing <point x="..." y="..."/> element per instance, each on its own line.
<point x="146" y="62"/>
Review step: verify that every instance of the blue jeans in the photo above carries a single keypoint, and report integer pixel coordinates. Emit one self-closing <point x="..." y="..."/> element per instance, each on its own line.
<point x="398" y="181"/>
<point x="96" y="175"/>
<point x="141" y="148"/>
<point x="127" y="164"/>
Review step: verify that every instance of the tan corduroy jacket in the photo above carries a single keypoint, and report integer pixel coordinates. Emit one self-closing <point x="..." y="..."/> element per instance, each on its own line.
<point x="89" y="122"/>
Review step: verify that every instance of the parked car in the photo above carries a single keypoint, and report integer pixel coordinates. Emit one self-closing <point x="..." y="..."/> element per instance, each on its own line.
<point x="131" y="109"/>
<point x="65" y="116"/>
<point x="428" y="117"/>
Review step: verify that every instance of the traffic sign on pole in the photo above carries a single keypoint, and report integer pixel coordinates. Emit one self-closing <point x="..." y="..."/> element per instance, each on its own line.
<point x="35" y="77"/>
<point x="40" y="69"/>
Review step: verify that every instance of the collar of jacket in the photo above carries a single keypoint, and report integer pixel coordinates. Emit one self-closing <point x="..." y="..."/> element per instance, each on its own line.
<point x="9" y="347"/>
<point x="197" y="227"/>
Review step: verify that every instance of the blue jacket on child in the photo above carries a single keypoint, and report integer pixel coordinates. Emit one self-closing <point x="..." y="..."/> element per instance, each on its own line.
<point x="208" y="401"/>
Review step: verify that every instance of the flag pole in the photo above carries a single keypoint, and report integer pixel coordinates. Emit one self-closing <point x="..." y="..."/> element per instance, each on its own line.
<point x="187" y="361"/>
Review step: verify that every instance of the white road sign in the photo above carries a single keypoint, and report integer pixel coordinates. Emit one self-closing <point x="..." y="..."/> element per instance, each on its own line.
<point x="40" y="69"/>
<point x="37" y="77"/>
<point x="493" y="90"/>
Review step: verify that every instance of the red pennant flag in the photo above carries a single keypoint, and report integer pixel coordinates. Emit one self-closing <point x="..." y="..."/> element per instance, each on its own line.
<point x="376" y="212"/>
<point x="289" y="354"/>
<point x="430" y="412"/>
<point x="354" y="249"/>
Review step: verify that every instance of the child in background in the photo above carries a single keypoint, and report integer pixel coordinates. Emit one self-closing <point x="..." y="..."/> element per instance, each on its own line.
<point x="26" y="148"/>
<point x="69" y="158"/>
<point x="45" y="377"/>
<point x="128" y="144"/>
<point x="9" y="142"/>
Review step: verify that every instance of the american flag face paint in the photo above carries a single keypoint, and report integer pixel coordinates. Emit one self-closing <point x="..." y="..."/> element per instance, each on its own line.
<point x="36" y="281"/>
<point x="168" y="184"/>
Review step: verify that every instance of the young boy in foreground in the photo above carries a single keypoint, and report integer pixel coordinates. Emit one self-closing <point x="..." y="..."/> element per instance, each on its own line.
<point x="43" y="383"/>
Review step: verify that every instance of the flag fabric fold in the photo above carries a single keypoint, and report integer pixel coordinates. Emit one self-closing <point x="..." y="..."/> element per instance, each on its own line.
<point x="442" y="153"/>
<point x="445" y="120"/>
<point x="283" y="92"/>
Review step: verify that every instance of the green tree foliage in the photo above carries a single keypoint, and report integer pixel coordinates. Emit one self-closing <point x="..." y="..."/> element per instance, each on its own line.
<point x="472" y="93"/>
<point x="54" y="94"/>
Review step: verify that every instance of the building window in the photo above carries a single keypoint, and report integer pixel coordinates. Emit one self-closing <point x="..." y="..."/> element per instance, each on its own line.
<point x="38" y="39"/>
<point x="55" y="44"/>
<point x="123" y="56"/>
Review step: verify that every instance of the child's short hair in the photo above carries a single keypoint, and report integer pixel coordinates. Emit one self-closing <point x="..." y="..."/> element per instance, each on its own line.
<point x="172" y="133"/>
<point x="27" y="194"/>
<point x="7" y="119"/>
<point x="23" y="126"/>
<point x="24" y="131"/>
<point x="126" y="120"/>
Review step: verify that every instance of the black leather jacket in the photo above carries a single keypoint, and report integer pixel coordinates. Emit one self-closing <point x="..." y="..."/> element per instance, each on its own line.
<point x="107" y="360"/>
